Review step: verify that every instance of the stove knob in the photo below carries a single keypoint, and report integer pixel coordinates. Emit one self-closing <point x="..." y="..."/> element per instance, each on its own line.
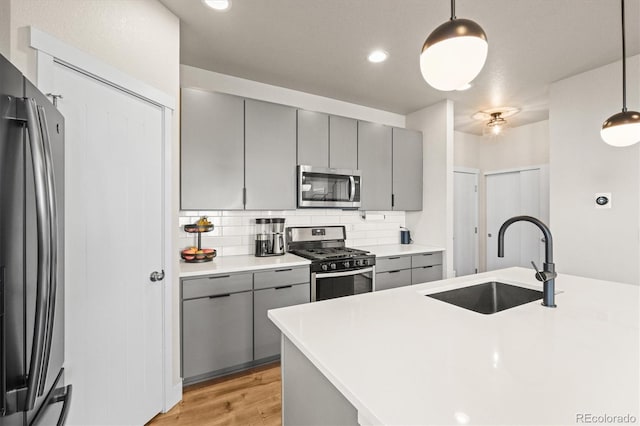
<point x="324" y="267"/>
<point x="346" y="264"/>
<point x="333" y="266"/>
<point x="364" y="262"/>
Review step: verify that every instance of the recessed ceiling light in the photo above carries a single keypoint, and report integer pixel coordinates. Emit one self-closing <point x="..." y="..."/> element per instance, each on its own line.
<point x="377" y="56"/>
<point x="465" y="87"/>
<point x="218" y="4"/>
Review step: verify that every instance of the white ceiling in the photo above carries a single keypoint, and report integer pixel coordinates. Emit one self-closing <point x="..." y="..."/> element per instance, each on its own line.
<point x="320" y="47"/>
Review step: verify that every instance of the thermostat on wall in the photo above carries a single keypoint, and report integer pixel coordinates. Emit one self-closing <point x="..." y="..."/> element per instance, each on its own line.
<point x="603" y="200"/>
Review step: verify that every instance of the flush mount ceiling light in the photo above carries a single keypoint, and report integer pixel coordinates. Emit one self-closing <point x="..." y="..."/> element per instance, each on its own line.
<point x="623" y="128"/>
<point x="219" y="5"/>
<point x="454" y="53"/>
<point x="495" y="120"/>
<point x="377" y="56"/>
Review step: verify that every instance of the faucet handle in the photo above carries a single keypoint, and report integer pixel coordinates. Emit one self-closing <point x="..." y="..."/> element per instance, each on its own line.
<point x="540" y="276"/>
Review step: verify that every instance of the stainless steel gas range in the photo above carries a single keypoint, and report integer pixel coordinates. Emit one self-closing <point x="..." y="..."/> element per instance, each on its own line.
<point x="336" y="270"/>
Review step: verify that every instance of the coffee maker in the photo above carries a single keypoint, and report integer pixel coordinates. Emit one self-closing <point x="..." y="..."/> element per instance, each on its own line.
<point x="269" y="237"/>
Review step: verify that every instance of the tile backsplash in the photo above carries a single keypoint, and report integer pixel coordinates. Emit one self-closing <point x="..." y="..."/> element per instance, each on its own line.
<point x="234" y="231"/>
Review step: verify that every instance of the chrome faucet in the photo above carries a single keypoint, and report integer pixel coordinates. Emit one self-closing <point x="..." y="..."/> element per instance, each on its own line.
<point x="548" y="273"/>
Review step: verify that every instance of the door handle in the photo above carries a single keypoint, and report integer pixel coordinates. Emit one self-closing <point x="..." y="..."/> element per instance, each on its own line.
<point x="489" y="235"/>
<point x="43" y="283"/>
<point x="156" y="276"/>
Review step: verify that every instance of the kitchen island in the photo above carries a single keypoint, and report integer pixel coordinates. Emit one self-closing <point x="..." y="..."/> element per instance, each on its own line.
<point x="399" y="357"/>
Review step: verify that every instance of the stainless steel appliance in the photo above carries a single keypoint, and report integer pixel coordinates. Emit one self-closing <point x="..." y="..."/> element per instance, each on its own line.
<point x="336" y="270"/>
<point x="32" y="389"/>
<point x="323" y="187"/>
<point x="269" y="237"/>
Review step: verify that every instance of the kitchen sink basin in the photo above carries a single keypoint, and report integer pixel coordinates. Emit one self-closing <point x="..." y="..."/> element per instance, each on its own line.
<point x="488" y="298"/>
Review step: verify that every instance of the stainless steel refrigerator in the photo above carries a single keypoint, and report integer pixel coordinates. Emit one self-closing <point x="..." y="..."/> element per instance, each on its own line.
<point x="32" y="386"/>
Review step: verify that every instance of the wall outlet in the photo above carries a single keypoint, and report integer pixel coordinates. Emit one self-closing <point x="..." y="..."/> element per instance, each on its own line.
<point x="602" y="200"/>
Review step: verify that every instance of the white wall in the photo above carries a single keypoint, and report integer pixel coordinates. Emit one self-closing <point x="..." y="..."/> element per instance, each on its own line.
<point x="434" y="224"/>
<point x="5" y="28"/>
<point x="598" y="243"/>
<point x="141" y="38"/>
<point x="521" y="146"/>
<point x="213" y="81"/>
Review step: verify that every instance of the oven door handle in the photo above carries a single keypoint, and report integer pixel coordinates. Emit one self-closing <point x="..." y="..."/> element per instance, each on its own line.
<point x="344" y="274"/>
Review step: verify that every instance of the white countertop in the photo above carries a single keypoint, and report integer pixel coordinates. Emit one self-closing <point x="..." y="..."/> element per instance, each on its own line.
<point x="228" y="264"/>
<point x="399" y="249"/>
<point x="405" y="359"/>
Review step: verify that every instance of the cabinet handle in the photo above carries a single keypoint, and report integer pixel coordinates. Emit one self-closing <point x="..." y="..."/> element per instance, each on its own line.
<point x="219" y="276"/>
<point x="284" y="286"/>
<point x="393" y="272"/>
<point x="427" y="254"/>
<point x="217" y="296"/>
<point x="425" y="267"/>
<point x="394" y="258"/>
<point x="284" y="270"/>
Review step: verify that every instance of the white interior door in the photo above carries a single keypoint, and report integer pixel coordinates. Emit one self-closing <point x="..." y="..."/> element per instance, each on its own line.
<point x="513" y="194"/>
<point x="114" y="235"/>
<point x="465" y="223"/>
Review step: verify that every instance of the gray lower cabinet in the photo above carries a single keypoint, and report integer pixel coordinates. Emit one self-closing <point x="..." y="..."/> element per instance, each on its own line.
<point x="374" y="161"/>
<point x="211" y="151"/>
<point x="400" y="271"/>
<point x="270" y="156"/>
<point x="217" y="333"/>
<point x="393" y="279"/>
<point x="224" y="323"/>
<point x="407" y="170"/>
<point x="266" y="336"/>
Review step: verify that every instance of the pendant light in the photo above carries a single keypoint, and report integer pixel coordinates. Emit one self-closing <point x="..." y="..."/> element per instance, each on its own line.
<point x="623" y="128"/>
<point x="454" y="53"/>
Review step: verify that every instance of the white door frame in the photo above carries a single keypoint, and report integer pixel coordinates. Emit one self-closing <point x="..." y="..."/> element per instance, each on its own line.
<point x="50" y="50"/>
<point x="476" y="173"/>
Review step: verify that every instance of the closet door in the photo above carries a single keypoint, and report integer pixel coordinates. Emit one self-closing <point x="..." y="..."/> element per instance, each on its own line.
<point x="514" y="194"/>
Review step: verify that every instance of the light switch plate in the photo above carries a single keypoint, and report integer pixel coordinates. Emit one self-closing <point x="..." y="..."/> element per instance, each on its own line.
<point x="602" y="200"/>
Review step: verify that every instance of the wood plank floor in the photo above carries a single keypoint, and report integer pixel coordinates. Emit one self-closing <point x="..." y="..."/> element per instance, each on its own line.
<point x="252" y="397"/>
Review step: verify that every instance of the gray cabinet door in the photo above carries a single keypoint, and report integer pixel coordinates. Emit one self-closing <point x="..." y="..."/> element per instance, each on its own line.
<point x="393" y="279"/>
<point x="343" y="143"/>
<point x="426" y="274"/>
<point x="270" y="156"/>
<point x="407" y="169"/>
<point x="313" y="138"/>
<point x="217" y="333"/>
<point x="267" y="335"/>
<point x="212" y="151"/>
<point x="374" y="161"/>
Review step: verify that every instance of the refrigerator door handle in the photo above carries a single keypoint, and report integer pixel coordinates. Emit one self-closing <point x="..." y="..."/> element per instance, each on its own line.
<point x="53" y="243"/>
<point x="55" y="396"/>
<point x="43" y="223"/>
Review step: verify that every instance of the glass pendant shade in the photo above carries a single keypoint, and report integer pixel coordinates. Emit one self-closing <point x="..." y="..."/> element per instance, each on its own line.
<point x="453" y="54"/>
<point x="621" y="129"/>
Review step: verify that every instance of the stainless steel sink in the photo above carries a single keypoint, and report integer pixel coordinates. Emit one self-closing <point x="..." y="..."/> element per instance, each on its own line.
<point x="488" y="298"/>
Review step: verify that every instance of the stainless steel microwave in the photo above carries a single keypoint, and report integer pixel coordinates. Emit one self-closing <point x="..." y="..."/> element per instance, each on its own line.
<point x="325" y="187"/>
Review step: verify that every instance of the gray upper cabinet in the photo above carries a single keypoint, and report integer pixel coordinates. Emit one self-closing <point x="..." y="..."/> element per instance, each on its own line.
<point x="313" y="138"/>
<point x="212" y="151"/>
<point x="374" y="161"/>
<point x="270" y="160"/>
<point x="407" y="169"/>
<point x="343" y="142"/>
